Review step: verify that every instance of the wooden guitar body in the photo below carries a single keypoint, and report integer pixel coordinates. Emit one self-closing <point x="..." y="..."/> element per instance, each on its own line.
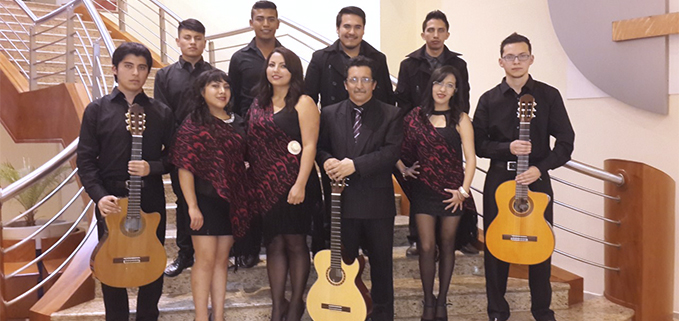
<point x="520" y="235"/>
<point x="126" y="259"/>
<point x="338" y="295"/>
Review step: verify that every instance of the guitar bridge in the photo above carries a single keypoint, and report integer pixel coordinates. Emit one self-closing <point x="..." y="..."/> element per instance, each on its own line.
<point x="335" y="307"/>
<point x="519" y="238"/>
<point x="130" y="260"/>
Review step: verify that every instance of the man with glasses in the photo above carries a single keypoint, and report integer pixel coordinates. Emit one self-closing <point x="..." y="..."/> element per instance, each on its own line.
<point x="413" y="76"/>
<point x="360" y="139"/>
<point x="496" y="132"/>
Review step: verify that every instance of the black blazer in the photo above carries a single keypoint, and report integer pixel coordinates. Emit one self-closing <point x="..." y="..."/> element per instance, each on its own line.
<point x="326" y="73"/>
<point x="370" y="191"/>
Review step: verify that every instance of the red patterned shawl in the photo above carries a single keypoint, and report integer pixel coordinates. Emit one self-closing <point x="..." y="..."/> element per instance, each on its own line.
<point x="217" y="154"/>
<point x="273" y="169"/>
<point x="440" y="163"/>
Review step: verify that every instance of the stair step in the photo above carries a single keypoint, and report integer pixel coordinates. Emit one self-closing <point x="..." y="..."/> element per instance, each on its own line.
<point x="256" y="277"/>
<point x="467" y="297"/>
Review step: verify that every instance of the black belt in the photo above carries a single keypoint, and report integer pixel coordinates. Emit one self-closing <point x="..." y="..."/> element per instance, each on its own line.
<point x="119" y="185"/>
<point x="509" y="166"/>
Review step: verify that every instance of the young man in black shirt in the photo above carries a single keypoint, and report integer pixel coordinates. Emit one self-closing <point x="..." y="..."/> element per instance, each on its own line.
<point x="413" y="76"/>
<point x="104" y="153"/>
<point x="172" y="87"/>
<point x="245" y="69"/>
<point x="247" y="64"/>
<point x="325" y="74"/>
<point x="496" y="131"/>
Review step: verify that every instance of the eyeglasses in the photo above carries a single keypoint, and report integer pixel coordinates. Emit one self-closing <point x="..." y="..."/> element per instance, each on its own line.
<point x="355" y="80"/>
<point x="449" y="85"/>
<point x="511" y="58"/>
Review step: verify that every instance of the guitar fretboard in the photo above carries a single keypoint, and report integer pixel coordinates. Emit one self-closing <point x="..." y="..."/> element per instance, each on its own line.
<point x="134" y="203"/>
<point x="522" y="161"/>
<point x="336" y="231"/>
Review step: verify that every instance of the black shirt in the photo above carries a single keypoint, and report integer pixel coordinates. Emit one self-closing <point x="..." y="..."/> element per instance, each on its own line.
<point x="245" y="70"/>
<point x="173" y="85"/>
<point x="105" y="144"/>
<point x="496" y="125"/>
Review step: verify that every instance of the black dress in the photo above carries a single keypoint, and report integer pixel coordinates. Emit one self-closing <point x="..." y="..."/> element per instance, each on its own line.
<point x="215" y="209"/>
<point x="284" y="218"/>
<point x="424" y="199"/>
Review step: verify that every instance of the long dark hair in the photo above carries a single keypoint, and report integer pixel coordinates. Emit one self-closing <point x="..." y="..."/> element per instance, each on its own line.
<point x="264" y="89"/>
<point x="200" y="111"/>
<point x="455" y="103"/>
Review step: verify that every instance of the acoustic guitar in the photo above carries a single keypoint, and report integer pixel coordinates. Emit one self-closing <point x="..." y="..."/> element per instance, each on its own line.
<point x="339" y="293"/>
<point x="520" y="234"/>
<point x="130" y="254"/>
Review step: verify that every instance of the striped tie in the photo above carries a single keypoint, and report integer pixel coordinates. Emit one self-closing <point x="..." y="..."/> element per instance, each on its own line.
<point x="357" y="122"/>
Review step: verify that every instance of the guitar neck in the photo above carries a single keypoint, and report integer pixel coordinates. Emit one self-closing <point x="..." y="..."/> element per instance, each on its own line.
<point x="336" y="231"/>
<point x="135" y="183"/>
<point x="522" y="160"/>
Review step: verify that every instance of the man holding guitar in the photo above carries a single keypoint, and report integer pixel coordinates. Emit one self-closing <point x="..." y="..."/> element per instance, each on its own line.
<point x="496" y="131"/>
<point x="360" y="139"/>
<point x="105" y="169"/>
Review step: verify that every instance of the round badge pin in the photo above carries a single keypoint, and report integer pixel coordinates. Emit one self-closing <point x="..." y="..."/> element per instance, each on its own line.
<point x="294" y="147"/>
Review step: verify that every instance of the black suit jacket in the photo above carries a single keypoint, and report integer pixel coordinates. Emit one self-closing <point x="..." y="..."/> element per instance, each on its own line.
<point x="326" y="73"/>
<point x="370" y="191"/>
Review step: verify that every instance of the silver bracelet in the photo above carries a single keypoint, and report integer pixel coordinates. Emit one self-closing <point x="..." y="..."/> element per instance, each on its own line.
<point x="463" y="192"/>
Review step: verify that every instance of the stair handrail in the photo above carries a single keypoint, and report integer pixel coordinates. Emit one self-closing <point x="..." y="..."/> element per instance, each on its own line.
<point x="101" y="27"/>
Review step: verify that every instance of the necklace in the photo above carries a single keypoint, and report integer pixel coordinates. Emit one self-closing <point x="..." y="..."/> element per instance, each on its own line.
<point x="440" y="112"/>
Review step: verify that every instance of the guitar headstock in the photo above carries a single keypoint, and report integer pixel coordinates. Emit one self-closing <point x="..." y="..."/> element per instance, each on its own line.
<point x="338" y="186"/>
<point x="136" y="120"/>
<point x="526" y="110"/>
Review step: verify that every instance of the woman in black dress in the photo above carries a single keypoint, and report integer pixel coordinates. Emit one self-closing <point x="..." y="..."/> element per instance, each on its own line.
<point x="210" y="153"/>
<point x="434" y="138"/>
<point x="282" y="134"/>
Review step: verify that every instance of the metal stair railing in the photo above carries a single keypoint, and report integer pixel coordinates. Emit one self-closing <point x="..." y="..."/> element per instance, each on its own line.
<point x="96" y="87"/>
<point x="71" y="32"/>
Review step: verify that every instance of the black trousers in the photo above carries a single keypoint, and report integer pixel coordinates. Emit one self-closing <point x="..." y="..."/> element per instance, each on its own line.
<point x="115" y="299"/>
<point x="497" y="271"/>
<point x="184" y="242"/>
<point x="376" y="236"/>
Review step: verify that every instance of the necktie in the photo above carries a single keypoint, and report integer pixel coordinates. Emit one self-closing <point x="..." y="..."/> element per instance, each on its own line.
<point x="357" y="122"/>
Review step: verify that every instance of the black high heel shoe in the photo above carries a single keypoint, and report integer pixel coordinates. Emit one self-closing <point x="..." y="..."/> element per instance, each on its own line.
<point x="427" y="306"/>
<point x="436" y="314"/>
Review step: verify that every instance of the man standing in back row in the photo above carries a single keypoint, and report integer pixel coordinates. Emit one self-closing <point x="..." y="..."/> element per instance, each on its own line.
<point x="413" y="76"/>
<point x="172" y="87"/>
<point x="496" y="133"/>
<point x="326" y="72"/>
<point x="245" y="69"/>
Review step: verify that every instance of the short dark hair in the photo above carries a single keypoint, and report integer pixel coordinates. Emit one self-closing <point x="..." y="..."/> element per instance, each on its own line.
<point x="191" y="24"/>
<point x="200" y="111"/>
<point x="361" y="61"/>
<point x="436" y="14"/>
<point x="263" y="4"/>
<point x="130" y="48"/>
<point x="350" y="10"/>
<point x="515" y="38"/>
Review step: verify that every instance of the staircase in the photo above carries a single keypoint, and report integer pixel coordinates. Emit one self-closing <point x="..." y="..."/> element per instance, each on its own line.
<point x="248" y="295"/>
<point x="9" y="23"/>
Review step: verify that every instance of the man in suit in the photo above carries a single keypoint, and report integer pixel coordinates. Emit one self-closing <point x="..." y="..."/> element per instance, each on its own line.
<point x="327" y="69"/>
<point x="360" y="140"/>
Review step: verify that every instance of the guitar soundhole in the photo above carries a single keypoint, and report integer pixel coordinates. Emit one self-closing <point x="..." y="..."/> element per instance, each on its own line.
<point x="335" y="276"/>
<point x="522" y="206"/>
<point x="132" y="226"/>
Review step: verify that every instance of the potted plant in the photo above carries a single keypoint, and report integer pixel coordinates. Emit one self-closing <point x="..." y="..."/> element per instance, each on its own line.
<point x="29" y="197"/>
